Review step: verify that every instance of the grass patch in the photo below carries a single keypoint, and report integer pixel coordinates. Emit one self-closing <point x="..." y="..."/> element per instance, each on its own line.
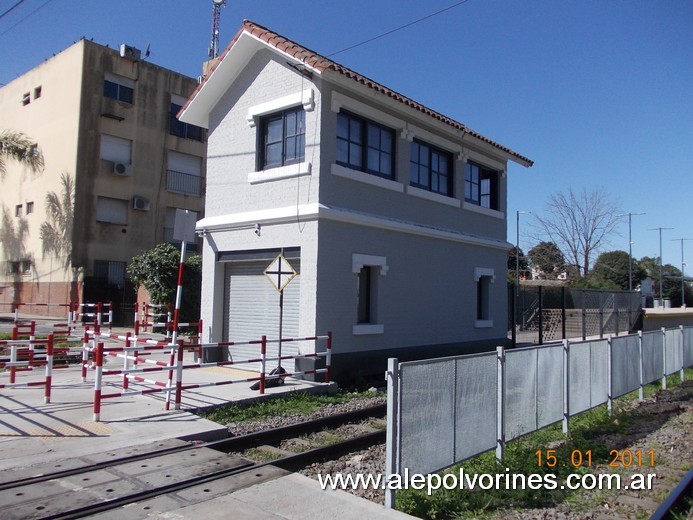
<point x="295" y="403"/>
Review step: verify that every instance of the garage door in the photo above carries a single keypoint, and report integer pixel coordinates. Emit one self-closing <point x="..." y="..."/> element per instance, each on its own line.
<point x="251" y="308"/>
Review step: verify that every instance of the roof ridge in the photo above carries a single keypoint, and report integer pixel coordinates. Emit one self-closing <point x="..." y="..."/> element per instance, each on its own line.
<point x="321" y="63"/>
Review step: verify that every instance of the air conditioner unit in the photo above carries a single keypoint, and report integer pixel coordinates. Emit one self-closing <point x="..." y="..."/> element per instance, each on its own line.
<point x="121" y="168"/>
<point x="129" y="52"/>
<point x="140" y="203"/>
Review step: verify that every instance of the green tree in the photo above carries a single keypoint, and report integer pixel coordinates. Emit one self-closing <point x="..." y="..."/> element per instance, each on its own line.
<point x="17" y="146"/>
<point x="547" y="260"/>
<point x="157" y="271"/>
<point x="512" y="264"/>
<point x="610" y="271"/>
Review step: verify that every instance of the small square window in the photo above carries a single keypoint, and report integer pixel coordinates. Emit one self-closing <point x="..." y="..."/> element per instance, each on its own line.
<point x="26" y="266"/>
<point x="26" y="98"/>
<point x="29" y="208"/>
<point x="37" y="92"/>
<point x="18" y="210"/>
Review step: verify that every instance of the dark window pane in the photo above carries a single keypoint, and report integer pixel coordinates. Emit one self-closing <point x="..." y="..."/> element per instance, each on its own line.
<point x="342" y="151"/>
<point x="110" y="89"/>
<point x="355" y="152"/>
<point x="373" y="160"/>
<point x="342" y="126"/>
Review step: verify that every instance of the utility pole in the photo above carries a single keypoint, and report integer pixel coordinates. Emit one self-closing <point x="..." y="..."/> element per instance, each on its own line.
<point x="683" y="264"/>
<point x="661" y="296"/>
<point x="630" y="249"/>
<point x="216" y="18"/>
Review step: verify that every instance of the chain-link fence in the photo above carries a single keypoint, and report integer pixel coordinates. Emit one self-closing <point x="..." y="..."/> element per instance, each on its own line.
<point x="540" y="314"/>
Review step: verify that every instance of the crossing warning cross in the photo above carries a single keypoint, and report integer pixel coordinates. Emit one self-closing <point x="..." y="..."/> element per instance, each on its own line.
<point x="280" y="273"/>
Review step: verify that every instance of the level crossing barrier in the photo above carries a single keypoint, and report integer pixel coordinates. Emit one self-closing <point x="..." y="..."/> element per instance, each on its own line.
<point x="156" y="316"/>
<point x="99" y="314"/>
<point x="132" y="350"/>
<point x="23" y="357"/>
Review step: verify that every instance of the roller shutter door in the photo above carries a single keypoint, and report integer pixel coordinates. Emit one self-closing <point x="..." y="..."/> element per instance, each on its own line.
<point x="251" y="310"/>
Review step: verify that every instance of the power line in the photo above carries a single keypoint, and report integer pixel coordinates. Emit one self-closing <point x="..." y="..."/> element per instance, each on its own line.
<point x="11" y="9"/>
<point x="398" y="28"/>
<point x="27" y="16"/>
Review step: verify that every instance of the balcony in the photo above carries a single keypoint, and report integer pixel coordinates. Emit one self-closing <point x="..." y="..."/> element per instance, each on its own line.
<point x="185" y="183"/>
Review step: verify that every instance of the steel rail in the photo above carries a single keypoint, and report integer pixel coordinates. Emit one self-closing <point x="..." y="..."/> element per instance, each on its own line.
<point x="675" y="498"/>
<point x="288" y="463"/>
<point x="239" y="443"/>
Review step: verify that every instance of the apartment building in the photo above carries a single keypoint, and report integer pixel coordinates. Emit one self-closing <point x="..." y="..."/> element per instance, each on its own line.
<point x="118" y="163"/>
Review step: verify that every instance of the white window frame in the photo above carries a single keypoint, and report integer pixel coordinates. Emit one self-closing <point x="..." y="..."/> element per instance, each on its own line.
<point x="358" y="262"/>
<point x="479" y="273"/>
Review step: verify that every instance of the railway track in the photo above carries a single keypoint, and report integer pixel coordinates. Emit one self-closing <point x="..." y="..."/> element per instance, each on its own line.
<point x="94" y="488"/>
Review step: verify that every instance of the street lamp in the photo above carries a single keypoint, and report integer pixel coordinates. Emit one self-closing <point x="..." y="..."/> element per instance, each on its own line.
<point x="630" y="249"/>
<point x="683" y="264"/>
<point x="661" y="295"/>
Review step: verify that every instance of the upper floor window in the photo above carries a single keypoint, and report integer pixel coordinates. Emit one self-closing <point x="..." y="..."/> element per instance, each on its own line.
<point x="430" y="168"/>
<point x="283" y="138"/>
<point x="116" y="87"/>
<point x="481" y="186"/>
<point x="364" y="145"/>
<point x="179" y="128"/>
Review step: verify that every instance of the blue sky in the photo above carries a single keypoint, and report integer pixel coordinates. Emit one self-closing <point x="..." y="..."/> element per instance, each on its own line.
<point x="598" y="93"/>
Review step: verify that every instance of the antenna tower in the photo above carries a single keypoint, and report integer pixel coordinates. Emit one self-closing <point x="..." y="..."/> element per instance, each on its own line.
<point x="216" y="17"/>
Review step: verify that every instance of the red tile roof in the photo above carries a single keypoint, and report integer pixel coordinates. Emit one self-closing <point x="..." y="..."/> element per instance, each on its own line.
<point x="321" y="64"/>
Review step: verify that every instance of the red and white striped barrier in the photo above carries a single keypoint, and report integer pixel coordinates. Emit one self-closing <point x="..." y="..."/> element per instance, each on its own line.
<point x="134" y="346"/>
<point x="29" y="363"/>
<point x="94" y="314"/>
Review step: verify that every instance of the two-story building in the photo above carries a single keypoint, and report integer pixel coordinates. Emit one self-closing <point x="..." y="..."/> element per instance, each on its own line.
<point x="393" y="215"/>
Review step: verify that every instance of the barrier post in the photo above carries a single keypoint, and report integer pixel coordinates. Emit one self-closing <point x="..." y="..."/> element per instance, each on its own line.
<point x="328" y="358"/>
<point x="126" y="361"/>
<point x="110" y="316"/>
<point x="97" y="382"/>
<point x="85" y="355"/>
<point x="179" y="374"/>
<point x="263" y="356"/>
<point x="49" y="369"/>
<point x="13" y="353"/>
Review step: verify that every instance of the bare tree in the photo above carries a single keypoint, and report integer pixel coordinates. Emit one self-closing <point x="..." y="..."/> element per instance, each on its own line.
<point x="579" y="223"/>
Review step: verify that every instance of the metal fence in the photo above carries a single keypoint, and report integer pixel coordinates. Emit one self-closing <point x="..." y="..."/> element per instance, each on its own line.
<point x="443" y="411"/>
<point x="540" y="314"/>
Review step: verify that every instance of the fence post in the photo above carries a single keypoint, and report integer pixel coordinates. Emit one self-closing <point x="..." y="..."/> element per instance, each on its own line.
<point x="664" y="357"/>
<point x="566" y="386"/>
<point x="683" y="355"/>
<point x="563" y="313"/>
<point x="97" y="382"/>
<point x="13" y="353"/>
<point x="601" y="316"/>
<point x="500" y="413"/>
<point x="609" y="377"/>
<point x="641" y="391"/>
<point x="49" y="369"/>
<point x="584" y="317"/>
<point x="392" y="435"/>
<point x="541" y="315"/>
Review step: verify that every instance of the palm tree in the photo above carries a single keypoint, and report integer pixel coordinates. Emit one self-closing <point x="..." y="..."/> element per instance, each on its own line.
<point x="56" y="232"/>
<point x="16" y="145"/>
